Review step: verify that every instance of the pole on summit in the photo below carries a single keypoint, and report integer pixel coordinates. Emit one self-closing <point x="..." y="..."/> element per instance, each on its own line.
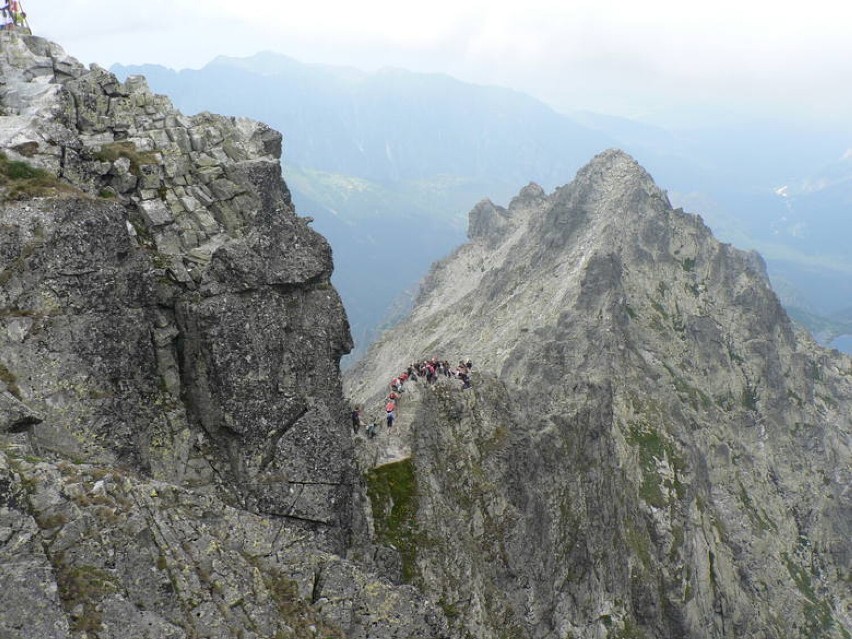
<point x="21" y="18"/>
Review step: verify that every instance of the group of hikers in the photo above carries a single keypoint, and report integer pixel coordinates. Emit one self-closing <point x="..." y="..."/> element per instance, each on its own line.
<point x="13" y="15"/>
<point x="430" y="371"/>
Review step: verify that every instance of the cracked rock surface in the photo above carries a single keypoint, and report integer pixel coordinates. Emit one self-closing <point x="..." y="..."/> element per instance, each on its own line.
<point x="650" y="447"/>
<point x="173" y="314"/>
<point x="175" y="456"/>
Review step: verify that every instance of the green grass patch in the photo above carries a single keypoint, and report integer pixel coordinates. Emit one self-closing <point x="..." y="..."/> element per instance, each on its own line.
<point x="496" y="442"/>
<point x="714" y="580"/>
<point x="21" y="181"/>
<point x="294" y="610"/>
<point x="451" y="611"/>
<point x="8" y="378"/>
<point x="757" y="516"/>
<point x="819" y="620"/>
<point x="86" y="585"/>
<point x="126" y="149"/>
<point x="749" y="397"/>
<point x="640" y="545"/>
<point x="677" y="542"/>
<point x="653" y="447"/>
<point x="392" y="490"/>
<point x="735" y="357"/>
<point x="800" y="577"/>
<point x="698" y="399"/>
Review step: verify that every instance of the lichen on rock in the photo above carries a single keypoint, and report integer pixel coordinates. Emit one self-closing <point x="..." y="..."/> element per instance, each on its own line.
<point x="188" y="317"/>
<point x="174" y="454"/>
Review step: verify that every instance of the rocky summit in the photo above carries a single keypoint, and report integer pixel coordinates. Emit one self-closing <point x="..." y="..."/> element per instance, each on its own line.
<point x="649" y="448"/>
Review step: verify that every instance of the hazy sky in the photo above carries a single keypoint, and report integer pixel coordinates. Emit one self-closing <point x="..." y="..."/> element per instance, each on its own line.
<point x="622" y="57"/>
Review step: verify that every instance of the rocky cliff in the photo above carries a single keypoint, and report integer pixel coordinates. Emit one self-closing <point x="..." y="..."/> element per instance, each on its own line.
<point x="650" y="449"/>
<point x="175" y="458"/>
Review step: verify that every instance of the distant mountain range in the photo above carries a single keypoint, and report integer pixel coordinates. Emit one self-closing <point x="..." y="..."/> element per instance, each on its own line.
<point x="389" y="126"/>
<point x="389" y="163"/>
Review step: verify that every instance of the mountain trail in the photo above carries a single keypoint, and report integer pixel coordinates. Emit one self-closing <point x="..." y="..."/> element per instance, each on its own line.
<point x="391" y="445"/>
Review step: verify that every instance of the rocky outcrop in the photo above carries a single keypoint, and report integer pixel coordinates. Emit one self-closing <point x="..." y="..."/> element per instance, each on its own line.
<point x="173" y="315"/>
<point x="650" y="449"/>
<point x="175" y="457"/>
<point x="94" y="551"/>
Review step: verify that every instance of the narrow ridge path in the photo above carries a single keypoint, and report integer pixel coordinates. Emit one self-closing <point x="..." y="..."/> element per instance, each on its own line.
<point x="392" y="445"/>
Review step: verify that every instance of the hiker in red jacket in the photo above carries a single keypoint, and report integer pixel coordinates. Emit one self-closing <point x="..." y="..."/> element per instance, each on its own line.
<point x="356" y="418"/>
<point x="390" y="409"/>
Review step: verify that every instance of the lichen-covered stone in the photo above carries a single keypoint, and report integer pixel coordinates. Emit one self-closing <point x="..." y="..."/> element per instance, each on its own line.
<point x="88" y="549"/>
<point x="175" y="458"/>
<point x="241" y="284"/>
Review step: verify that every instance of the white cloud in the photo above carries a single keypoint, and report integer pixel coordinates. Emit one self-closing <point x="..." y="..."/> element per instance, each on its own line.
<point x="581" y="53"/>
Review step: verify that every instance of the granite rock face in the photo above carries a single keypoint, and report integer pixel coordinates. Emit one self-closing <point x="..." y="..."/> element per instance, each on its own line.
<point x="175" y="315"/>
<point x="650" y="448"/>
<point x="90" y="551"/>
<point x="175" y="456"/>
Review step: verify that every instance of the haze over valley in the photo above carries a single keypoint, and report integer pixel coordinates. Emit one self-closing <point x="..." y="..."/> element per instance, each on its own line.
<point x="389" y="163"/>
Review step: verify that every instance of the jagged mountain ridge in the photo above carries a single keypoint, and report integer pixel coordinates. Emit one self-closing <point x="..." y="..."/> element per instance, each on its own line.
<point x="343" y="123"/>
<point x="136" y="333"/>
<point x="650" y="448"/>
<point x="376" y="156"/>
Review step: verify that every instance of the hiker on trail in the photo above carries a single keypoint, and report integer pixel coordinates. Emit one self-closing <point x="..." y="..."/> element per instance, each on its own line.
<point x="463" y="373"/>
<point x="371" y="430"/>
<point x="356" y="418"/>
<point x="390" y="409"/>
<point x="13" y="16"/>
<point x="430" y="372"/>
<point x="8" y="19"/>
